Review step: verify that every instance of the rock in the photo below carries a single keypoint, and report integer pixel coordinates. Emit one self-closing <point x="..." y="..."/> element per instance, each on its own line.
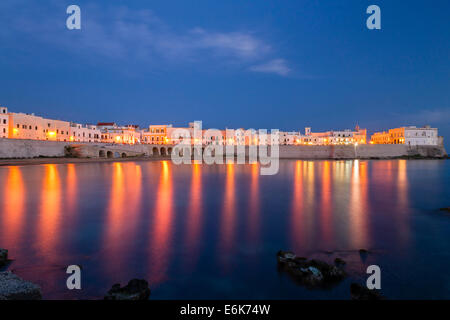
<point x="3" y="257"/>
<point x="14" y="288"/>
<point x="339" y="262"/>
<point x="359" y="292"/>
<point x="285" y="256"/>
<point x="311" y="273"/>
<point x="136" y="289"/>
<point x="445" y="209"/>
<point x="363" y="251"/>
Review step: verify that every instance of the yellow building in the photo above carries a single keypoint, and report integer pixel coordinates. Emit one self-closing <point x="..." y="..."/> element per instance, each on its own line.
<point x="407" y="135"/>
<point x="380" y="138"/>
<point x="156" y="134"/>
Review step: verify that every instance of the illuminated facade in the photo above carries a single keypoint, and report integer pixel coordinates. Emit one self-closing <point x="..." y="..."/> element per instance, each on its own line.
<point x="407" y="135"/>
<point x="156" y="134"/>
<point x="334" y="137"/>
<point x="4" y="122"/>
<point x="111" y="133"/>
<point x="30" y="126"/>
<point x="84" y="133"/>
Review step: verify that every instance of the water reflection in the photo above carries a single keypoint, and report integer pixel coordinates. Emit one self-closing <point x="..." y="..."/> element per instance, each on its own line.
<point x="49" y="230"/>
<point x="71" y="185"/>
<point x="297" y="234"/>
<point x="228" y="215"/>
<point x="125" y="220"/>
<point x="13" y="212"/>
<point x="254" y="208"/>
<point x="359" y="206"/>
<point x="326" y="205"/>
<point x="402" y="200"/>
<point x="194" y="215"/>
<point x="122" y="216"/>
<point x="162" y="226"/>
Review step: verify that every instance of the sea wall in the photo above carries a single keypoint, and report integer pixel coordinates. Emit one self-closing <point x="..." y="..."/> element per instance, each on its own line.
<point x="16" y="148"/>
<point x="361" y="152"/>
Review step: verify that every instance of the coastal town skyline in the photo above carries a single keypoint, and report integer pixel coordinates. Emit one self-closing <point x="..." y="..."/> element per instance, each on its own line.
<point x="21" y="125"/>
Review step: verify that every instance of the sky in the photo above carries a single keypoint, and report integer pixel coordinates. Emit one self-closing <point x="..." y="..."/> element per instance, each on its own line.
<point x="235" y="63"/>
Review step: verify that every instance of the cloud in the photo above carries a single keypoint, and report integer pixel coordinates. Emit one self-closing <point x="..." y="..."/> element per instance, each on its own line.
<point x="424" y="117"/>
<point x="277" y="66"/>
<point x="129" y="36"/>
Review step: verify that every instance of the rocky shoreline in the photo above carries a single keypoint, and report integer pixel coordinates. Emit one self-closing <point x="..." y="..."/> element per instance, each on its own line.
<point x="12" y="287"/>
<point x="311" y="273"/>
<point x="318" y="274"/>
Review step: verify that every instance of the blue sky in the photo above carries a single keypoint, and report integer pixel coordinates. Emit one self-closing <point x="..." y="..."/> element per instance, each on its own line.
<point x="253" y="64"/>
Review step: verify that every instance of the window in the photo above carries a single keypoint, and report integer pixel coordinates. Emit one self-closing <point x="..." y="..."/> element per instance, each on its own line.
<point x="29" y="128"/>
<point x="4" y="121"/>
<point x="35" y="128"/>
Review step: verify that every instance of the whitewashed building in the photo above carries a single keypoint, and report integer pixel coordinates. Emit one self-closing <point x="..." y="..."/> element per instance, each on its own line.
<point x="4" y="122"/>
<point x="84" y="133"/>
<point x="421" y="136"/>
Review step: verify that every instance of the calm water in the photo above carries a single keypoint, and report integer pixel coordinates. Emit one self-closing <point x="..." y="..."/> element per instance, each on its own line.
<point x="213" y="231"/>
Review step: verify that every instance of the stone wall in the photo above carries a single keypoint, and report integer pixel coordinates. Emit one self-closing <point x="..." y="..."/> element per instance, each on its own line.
<point x="367" y="151"/>
<point x="15" y="148"/>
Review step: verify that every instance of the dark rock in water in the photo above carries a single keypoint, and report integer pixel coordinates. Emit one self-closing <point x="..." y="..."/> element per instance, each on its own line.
<point x="136" y="289"/>
<point x="359" y="292"/>
<point x="339" y="262"/>
<point x="363" y="251"/>
<point x="311" y="273"/>
<point x="14" y="288"/>
<point x="445" y="209"/>
<point x="3" y="257"/>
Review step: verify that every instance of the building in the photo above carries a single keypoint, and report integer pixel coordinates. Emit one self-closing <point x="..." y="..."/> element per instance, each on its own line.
<point x="84" y="133"/>
<point x="156" y="134"/>
<point x="4" y="122"/>
<point x="290" y="138"/>
<point x="111" y="133"/>
<point x="380" y="138"/>
<point x="335" y="137"/>
<point x="407" y="135"/>
<point x="26" y="126"/>
<point x="56" y="130"/>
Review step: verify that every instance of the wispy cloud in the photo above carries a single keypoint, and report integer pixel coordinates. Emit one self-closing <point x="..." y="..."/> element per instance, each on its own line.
<point x="277" y="66"/>
<point x="120" y="33"/>
<point x="433" y="116"/>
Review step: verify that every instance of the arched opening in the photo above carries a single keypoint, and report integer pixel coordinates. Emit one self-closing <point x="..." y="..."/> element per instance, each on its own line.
<point x="101" y="153"/>
<point x="124" y="155"/>
<point x="116" y="154"/>
<point x="109" y="154"/>
<point x="163" y="151"/>
<point x="155" y="151"/>
<point x="169" y="151"/>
